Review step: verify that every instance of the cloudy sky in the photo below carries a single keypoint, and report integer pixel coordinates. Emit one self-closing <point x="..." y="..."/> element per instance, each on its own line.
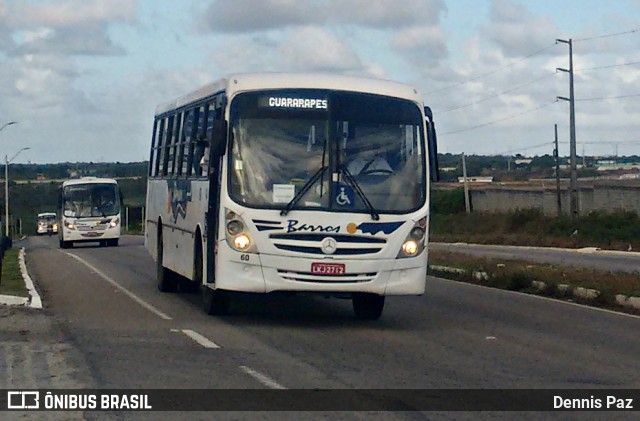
<point x="83" y="77"/>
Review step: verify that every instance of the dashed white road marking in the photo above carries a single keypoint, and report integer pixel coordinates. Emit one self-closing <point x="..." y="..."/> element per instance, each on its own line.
<point x="130" y="294"/>
<point x="265" y="380"/>
<point x="200" y="339"/>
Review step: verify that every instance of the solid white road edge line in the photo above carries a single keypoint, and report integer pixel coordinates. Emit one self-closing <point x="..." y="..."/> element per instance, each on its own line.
<point x="266" y="381"/>
<point x="200" y="339"/>
<point x="131" y="295"/>
<point x="36" y="301"/>
<point x="540" y="297"/>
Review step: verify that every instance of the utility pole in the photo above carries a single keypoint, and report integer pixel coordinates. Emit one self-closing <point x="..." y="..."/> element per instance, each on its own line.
<point x="556" y="154"/>
<point x="572" y="132"/>
<point x="467" y="203"/>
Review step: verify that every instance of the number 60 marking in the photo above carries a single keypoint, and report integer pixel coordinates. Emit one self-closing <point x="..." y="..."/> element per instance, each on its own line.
<point x="244" y="257"/>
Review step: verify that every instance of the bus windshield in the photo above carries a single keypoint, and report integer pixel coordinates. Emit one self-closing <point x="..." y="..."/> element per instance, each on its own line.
<point x="372" y="145"/>
<point x="47" y="217"/>
<point x="91" y="200"/>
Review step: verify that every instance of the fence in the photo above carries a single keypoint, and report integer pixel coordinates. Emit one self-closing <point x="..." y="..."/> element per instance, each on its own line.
<point x="592" y="198"/>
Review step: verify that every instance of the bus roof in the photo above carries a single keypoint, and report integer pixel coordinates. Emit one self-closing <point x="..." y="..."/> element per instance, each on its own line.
<point x="45" y="214"/>
<point x="264" y="81"/>
<point x="89" y="180"/>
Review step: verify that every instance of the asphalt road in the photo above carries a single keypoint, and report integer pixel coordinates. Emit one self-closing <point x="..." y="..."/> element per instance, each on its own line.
<point x="114" y="329"/>
<point x="593" y="258"/>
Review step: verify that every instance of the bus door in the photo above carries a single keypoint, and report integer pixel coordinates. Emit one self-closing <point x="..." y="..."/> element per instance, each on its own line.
<point x="218" y="142"/>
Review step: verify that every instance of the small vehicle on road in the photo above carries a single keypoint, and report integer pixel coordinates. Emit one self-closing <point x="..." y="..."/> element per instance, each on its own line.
<point x="47" y="223"/>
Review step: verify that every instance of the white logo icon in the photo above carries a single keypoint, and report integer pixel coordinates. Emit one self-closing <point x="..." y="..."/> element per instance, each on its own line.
<point x="23" y="400"/>
<point x="329" y="245"/>
<point x="343" y="198"/>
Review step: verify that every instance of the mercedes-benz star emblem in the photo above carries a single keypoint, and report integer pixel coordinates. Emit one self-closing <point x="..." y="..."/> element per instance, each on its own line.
<point x="329" y="245"/>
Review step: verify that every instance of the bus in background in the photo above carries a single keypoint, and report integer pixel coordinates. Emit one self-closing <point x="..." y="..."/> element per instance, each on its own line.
<point x="90" y="212"/>
<point x="304" y="183"/>
<point x="47" y="223"/>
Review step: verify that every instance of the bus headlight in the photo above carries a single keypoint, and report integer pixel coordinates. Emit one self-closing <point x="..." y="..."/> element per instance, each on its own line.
<point x="410" y="247"/>
<point x="414" y="243"/>
<point x="69" y="225"/>
<point x="235" y="227"/>
<point x="242" y="242"/>
<point x="236" y="233"/>
<point x="114" y="223"/>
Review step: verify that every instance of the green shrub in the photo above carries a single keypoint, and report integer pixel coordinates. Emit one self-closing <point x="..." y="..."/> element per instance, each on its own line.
<point x="447" y="202"/>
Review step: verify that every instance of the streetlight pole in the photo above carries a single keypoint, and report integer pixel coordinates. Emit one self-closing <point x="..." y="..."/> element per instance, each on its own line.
<point x="572" y="133"/>
<point x="6" y="190"/>
<point x="5" y="179"/>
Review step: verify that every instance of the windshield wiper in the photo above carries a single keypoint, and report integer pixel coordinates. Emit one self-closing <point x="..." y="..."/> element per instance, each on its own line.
<point x="352" y="181"/>
<point x="305" y="188"/>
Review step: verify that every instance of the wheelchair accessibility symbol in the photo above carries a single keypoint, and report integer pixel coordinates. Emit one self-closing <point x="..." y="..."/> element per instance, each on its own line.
<point x="345" y="197"/>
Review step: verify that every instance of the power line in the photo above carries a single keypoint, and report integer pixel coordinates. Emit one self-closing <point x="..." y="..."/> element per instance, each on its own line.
<point x="608" y="35"/>
<point x="500" y="94"/>
<point x="493" y="71"/>
<point x="608" y="67"/>
<point x="525" y="148"/>
<point x="608" y="97"/>
<point x="500" y="120"/>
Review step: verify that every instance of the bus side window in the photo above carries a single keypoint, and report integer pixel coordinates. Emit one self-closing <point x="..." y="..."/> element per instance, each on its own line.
<point x="187" y="143"/>
<point x="200" y="145"/>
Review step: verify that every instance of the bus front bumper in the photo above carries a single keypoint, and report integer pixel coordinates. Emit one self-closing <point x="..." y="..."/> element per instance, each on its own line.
<point x="264" y="273"/>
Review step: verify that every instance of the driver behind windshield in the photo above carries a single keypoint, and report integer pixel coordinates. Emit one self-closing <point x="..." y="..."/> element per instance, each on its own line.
<point x="367" y="153"/>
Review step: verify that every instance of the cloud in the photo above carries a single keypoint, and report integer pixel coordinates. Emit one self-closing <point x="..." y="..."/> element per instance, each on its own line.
<point x="310" y="49"/>
<point x="72" y="27"/>
<point x="424" y="45"/>
<point x="388" y="13"/>
<point x="59" y="14"/>
<point x="316" y="49"/>
<point x="41" y="83"/>
<point x="253" y="16"/>
<point x="243" y="16"/>
<point x="518" y="31"/>
<point x="77" y="40"/>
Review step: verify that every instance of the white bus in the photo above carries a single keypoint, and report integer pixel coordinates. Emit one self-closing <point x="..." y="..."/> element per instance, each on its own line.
<point x="90" y="212"/>
<point x="254" y="186"/>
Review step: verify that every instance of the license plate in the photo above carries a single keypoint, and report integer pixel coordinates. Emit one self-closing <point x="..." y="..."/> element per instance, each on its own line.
<point x="327" y="268"/>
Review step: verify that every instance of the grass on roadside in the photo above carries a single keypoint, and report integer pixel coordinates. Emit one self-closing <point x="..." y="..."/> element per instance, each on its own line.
<point x="12" y="282"/>
<point x="618" y="230"/>
<point x="518" y="275"/>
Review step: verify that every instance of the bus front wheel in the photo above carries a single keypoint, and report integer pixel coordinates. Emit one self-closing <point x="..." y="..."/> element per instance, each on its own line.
<point x="214" y="302"/>
<point x="368" y="306"/>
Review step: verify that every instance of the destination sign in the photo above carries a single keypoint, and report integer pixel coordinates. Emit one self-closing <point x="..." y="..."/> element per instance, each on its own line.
<point x="292" y="102"/>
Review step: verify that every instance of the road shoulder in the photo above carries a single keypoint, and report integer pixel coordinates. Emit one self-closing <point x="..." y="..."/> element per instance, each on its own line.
<point x="34" y="300"/>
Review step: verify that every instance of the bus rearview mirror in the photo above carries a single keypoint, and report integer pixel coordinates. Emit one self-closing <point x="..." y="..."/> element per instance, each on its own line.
<point x="432" y="145"/>
<point x="218" y="137"/>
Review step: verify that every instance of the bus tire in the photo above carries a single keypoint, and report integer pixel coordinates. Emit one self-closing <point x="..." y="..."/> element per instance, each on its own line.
<point x="214" y="301"/>
<point x="368" y="306"/>
<point x="66" y="244"/>
<point x="166" y="279"/>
